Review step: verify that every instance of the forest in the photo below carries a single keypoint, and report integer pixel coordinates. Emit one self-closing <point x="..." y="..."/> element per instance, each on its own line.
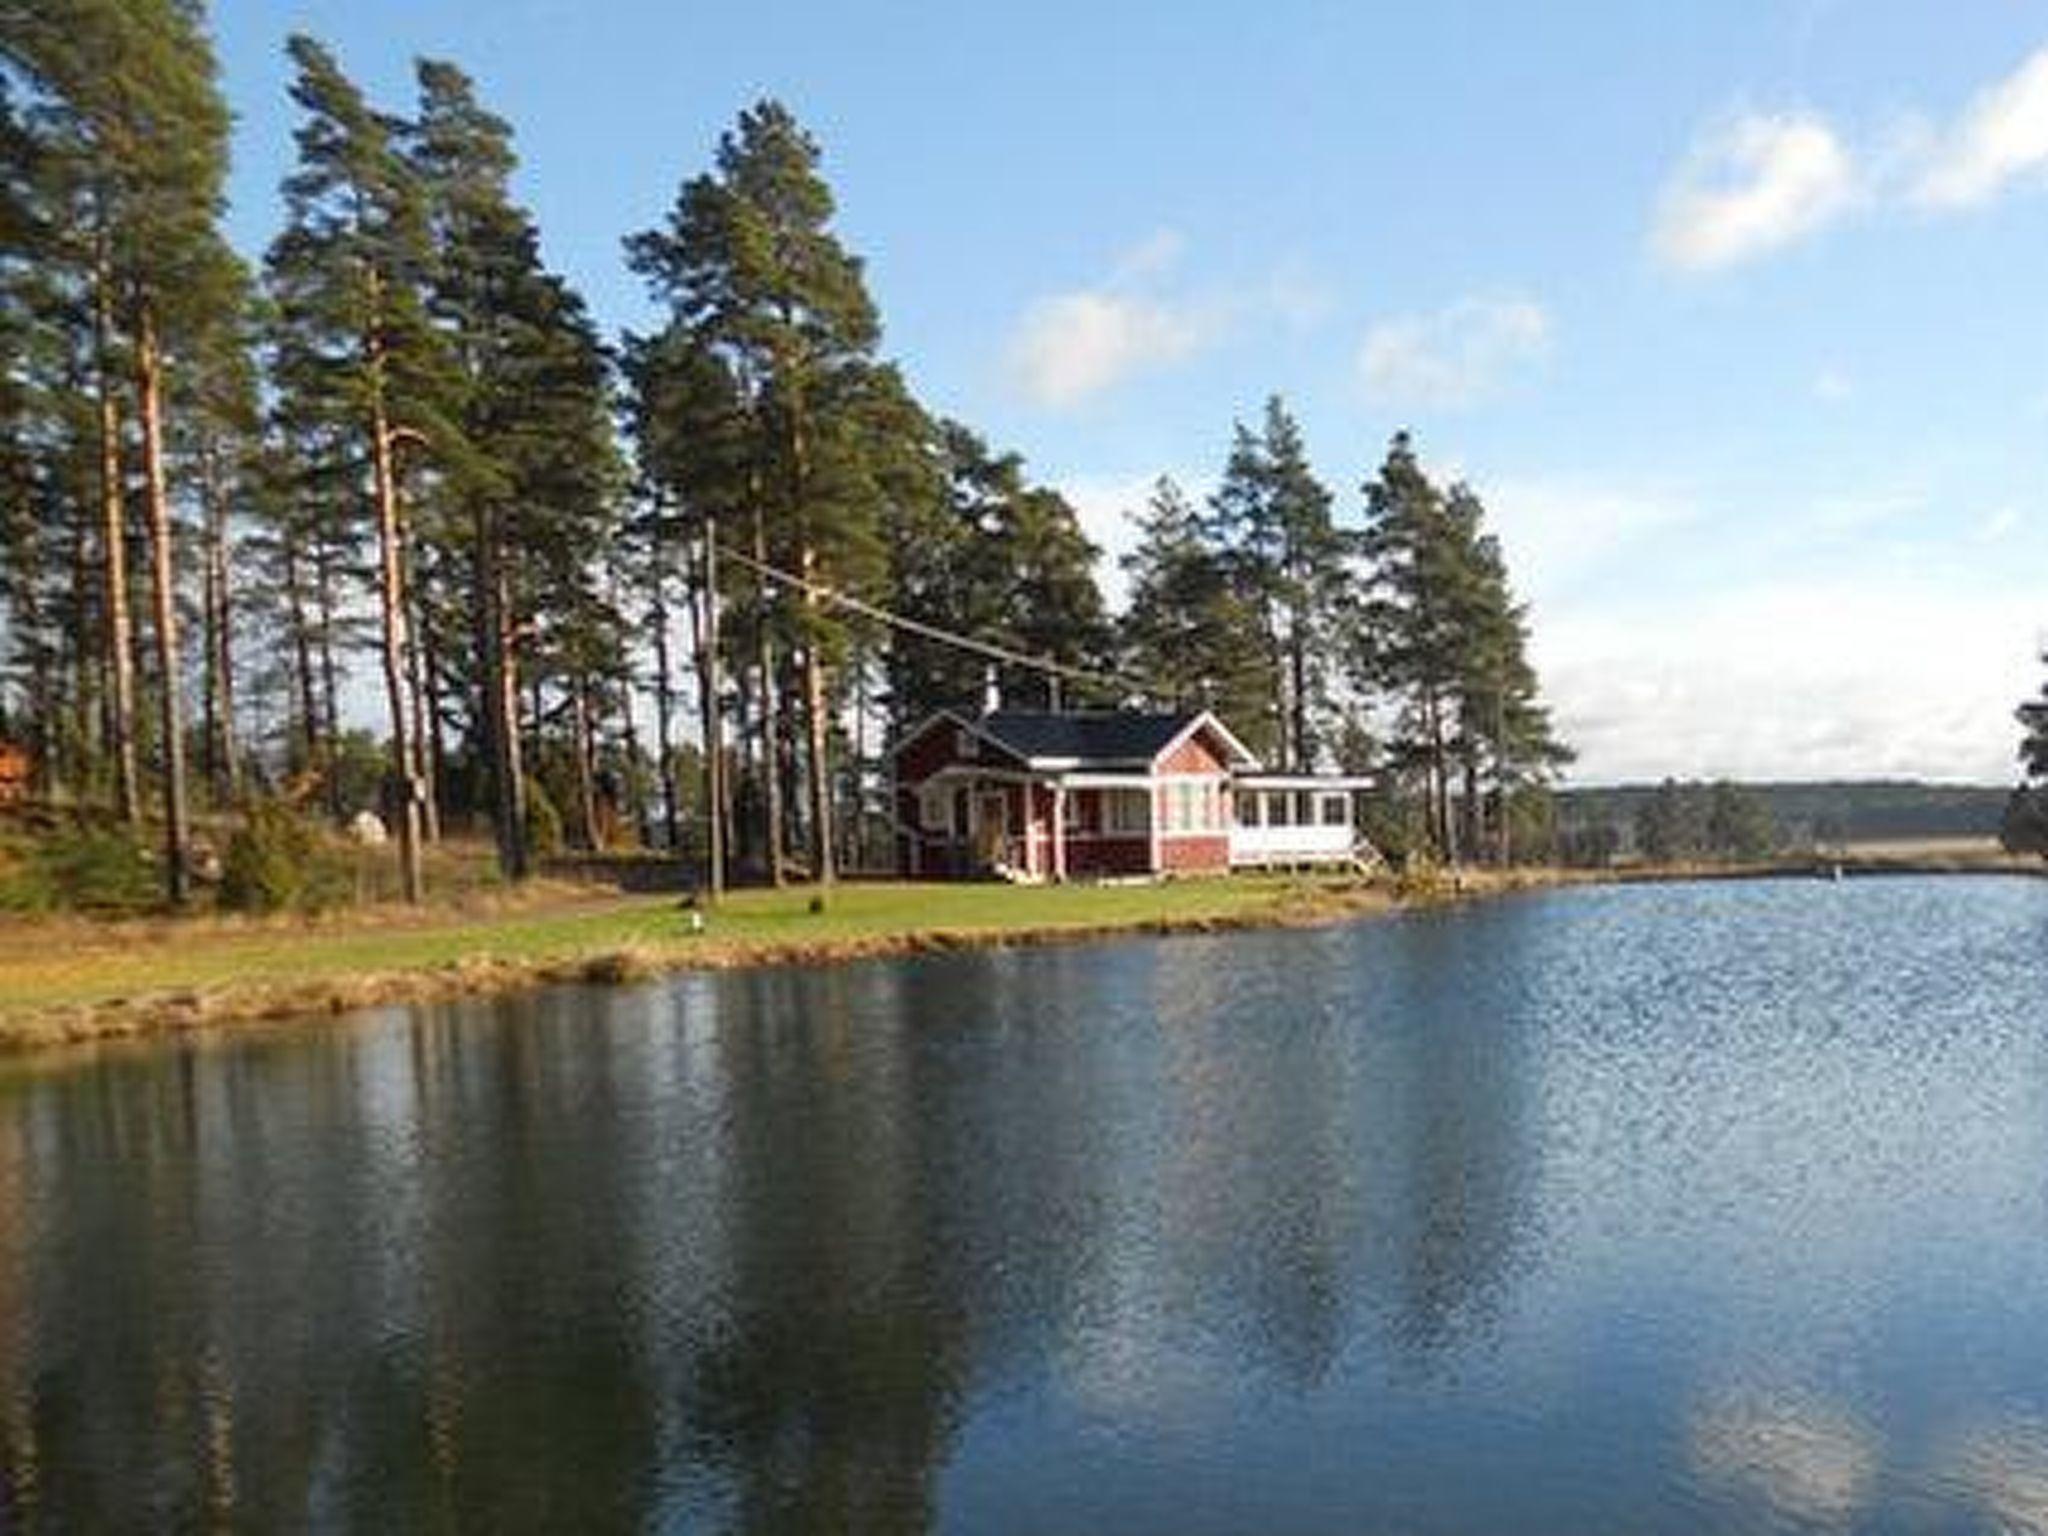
<point x="672" y="590"/>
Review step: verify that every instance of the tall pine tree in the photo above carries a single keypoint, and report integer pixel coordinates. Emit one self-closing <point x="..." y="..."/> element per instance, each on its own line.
<point x="750" y="267"/>
<point x="348" y="276"/>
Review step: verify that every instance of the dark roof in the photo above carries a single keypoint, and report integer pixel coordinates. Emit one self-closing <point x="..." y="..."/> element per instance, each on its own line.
<point x="1101" y="736"/>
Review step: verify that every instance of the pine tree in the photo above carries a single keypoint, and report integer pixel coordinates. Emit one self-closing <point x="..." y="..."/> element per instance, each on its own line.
<point x="1444" y="636"/>
<point x="692" y="435"/>
<point x="1271" y="520"/>
<point x="977" y="549"/>
<point x="136" y="90"/>
<point x="530" y="497"/>
<point x="2024" y="828"/>
<point x="749" y="266"/>
<point x="1188" y="629"/>
<point x="348" y="277"/>
<point x="1503" y="731"/>
<point x="1409" y="642"/>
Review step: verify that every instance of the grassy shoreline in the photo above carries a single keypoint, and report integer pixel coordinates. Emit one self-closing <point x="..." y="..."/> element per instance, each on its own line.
<point x="70" y="982"/>
<point x="73" y="982"/>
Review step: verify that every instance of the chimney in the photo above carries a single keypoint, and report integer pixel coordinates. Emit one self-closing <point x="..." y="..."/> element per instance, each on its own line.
<point x="991" y="690"/>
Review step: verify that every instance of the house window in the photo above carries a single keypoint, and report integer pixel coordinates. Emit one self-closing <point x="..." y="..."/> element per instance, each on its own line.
<point x="1193" y="807"/>
<point x="1126" y="810"/>
<point x="935" y="808"/>
<point x="1336" y="810"/>
<point x="966" y="744"/>
<point x="1248" y="803"/>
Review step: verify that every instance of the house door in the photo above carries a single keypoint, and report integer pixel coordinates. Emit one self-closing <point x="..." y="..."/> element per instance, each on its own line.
<point x="991" y="825"/>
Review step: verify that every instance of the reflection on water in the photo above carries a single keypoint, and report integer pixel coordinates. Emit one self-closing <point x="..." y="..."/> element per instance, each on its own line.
<point x="1679" y="1209"/>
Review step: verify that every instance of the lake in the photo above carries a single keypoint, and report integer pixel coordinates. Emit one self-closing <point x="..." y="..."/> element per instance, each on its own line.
<point x="1660" y="1208"/>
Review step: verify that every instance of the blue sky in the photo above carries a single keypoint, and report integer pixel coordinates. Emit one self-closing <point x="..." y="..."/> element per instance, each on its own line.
<point x="1736" y="314"/>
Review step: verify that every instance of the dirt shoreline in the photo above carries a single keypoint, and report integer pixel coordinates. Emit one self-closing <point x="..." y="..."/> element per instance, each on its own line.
<point x="289" y="1004"/>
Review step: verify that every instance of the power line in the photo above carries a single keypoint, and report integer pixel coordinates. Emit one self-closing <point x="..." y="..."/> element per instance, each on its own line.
<point x="1113" y="681"/>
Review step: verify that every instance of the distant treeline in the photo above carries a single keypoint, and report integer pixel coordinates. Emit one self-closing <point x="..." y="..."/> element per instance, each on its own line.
<point x="1624" y="818"/>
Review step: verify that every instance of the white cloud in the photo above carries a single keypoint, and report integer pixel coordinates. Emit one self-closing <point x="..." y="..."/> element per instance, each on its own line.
<point x="2000" y="137"/>
<point x="1070" y="346"/>
<point x="1455" y="357"/>
<point x="1754" y="185"/>
<point x="1073" y="345"/>
<point x="1557" y="533"/>
<point x="1832" y="386"/>
<point x="1913" y="674"/>
<point x="1999" y="524"/>
<point x="1765" y="180"/>
<point x="1152" y="257"/>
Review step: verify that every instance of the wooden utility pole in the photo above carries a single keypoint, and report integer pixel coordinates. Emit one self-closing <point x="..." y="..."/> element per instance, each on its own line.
<point x="664" y="705"/>
<point x="770" y="714"/>
<point x="714" y="735"/>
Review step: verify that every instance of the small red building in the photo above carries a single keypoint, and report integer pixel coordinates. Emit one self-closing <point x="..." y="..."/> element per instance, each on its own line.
<point x="1039" y="796"/>
<point x="14" y="773"/>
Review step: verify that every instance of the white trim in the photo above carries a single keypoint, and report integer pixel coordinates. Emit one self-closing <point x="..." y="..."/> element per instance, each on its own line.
<point x="1329" y="781"/>
<point x="976" y="771"/>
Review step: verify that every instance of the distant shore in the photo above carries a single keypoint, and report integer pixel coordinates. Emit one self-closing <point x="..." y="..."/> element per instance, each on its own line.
<point x="73" y="982"/>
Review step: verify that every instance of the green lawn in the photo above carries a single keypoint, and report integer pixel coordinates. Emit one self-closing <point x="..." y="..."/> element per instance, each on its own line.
<point x="53" y="965"/>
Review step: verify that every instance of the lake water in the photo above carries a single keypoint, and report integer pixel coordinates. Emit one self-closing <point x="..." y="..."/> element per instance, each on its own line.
<point x="1679" y="1208"/>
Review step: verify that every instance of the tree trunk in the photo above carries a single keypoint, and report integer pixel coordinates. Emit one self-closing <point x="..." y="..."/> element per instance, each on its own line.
<point x="500" y="713"/>
<point x="1439" y="778"/>
<point x="120" y="634"/>
<point x="329" y="757"/>
<point x="418" y="682"/>
<point x="664" y="707"/>
<point x="583" y="747"/>
<point x="86" y="661"/>
<point x="715" y="793"/>
<point x="302" y="653"/>
<point x="817" y="723"/>
<point x="632" y="802"/>
<point x="1469" y="831"/>
<point x="1297" y="660"/>
<point x="163" y="592"/>
<point x="768" y="715"/>
<point x="391" y="597"/>
<point x="434" y="768"/>
<point x="222" y="750"/>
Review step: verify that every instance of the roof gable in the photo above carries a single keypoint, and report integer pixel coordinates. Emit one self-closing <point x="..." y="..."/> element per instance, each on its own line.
<point x="1235" y="754"/>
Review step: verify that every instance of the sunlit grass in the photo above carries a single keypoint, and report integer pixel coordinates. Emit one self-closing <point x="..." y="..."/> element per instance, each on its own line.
<point x="63" y="964"/>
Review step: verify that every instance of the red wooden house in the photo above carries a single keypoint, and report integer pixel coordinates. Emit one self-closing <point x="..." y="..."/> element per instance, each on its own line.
<point x="1041" y="796"/>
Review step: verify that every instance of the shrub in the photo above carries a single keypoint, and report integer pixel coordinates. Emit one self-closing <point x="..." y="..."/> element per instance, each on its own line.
<point x="24" y="883"/>
<point x="278" y="862"/>
<point x="543" y="822"/>
<point x="104" y="870"/>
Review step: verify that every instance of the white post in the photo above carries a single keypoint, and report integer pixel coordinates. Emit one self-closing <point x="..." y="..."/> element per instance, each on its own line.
<point x="1059" y="833"/>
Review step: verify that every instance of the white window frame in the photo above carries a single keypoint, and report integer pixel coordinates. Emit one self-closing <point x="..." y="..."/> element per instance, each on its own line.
<point x="935" y="808"/>
<point x="1126" y="812"/>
